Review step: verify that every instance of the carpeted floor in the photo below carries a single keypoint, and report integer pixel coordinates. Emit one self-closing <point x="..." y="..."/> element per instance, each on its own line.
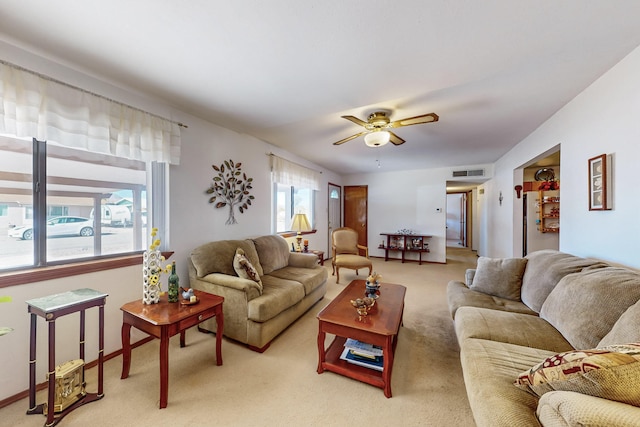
<point x="281" y="387"/>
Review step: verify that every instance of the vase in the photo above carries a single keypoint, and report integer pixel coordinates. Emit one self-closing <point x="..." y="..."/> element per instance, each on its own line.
<point x="151" y="276"/>
<point x="174" y="285"/>
<point x="371" y="289"/>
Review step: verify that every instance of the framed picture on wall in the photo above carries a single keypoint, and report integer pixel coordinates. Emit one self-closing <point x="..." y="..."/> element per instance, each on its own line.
<point x="600" y="183"/>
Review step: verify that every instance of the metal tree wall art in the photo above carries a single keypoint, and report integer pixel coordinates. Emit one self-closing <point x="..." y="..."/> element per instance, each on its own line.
<point x="231" y="187"/>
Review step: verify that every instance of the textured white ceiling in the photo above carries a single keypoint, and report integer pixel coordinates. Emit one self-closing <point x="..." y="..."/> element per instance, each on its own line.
<point x="285" y="71"/>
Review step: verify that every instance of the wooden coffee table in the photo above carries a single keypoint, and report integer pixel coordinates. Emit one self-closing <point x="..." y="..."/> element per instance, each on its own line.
<point x="380" y="328"/>
<point x="164" y="320"/>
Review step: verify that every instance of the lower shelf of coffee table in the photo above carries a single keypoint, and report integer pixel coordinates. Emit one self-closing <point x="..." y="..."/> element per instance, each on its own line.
<point x="333" y="363"/>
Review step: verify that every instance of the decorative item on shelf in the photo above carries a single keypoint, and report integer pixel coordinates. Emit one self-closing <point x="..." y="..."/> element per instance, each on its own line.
<point x="300" y="223"/>
<point x="231" y="188"/>
<point x="549" y="185"/>
<point x="372" y="285"/>
<point x="363" y="306"/>
<point x="173" y="284"/>
<point x="406" y="231"/>
<point x="151" y="270"/>
<point x="306" y="246"/>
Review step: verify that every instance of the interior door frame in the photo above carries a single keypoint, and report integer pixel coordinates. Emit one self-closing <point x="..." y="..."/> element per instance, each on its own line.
<point x="330" y="226"/>
<point x="361" y="225"/>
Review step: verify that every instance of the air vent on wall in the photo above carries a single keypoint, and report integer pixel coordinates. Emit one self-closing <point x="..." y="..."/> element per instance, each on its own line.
<point x="476" y="172"/>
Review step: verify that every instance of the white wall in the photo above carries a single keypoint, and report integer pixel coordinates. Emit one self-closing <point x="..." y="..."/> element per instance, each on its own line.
<point x="602" y="119"/>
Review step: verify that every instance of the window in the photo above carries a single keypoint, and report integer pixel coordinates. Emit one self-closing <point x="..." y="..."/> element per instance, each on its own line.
<point x="289" y="201"/>
<point x="75" y="168"/>
<point x="294" y="192"/>
<point x="94" y="205"/>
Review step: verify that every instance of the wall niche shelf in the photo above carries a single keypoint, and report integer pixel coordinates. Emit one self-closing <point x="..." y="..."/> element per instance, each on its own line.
<point x="403" y="243"/>
<point x="549" y="212"/>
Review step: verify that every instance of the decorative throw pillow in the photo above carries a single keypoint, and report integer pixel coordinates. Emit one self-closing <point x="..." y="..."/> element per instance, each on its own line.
<point x="611" y="372"/>
<point x="501" y="277"/>
<point x="245" y="269"/>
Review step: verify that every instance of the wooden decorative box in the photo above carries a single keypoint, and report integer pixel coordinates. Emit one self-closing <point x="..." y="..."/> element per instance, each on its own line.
<point x="69" y="385"/>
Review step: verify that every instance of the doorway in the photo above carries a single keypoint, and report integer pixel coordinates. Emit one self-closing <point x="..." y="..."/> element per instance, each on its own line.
<point x="457" y="220"/>
<point x="334" y="214"/>
<point x="537" y="234"/>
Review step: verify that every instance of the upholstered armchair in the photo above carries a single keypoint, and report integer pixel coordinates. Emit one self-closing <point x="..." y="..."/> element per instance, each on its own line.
<point x="346" y="252"/>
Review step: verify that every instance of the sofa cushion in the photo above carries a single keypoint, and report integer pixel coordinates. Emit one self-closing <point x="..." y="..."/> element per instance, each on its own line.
<point x="568" y="408"/>
<point x="311" y="278"/>
<point x="217" y="257"/>
<point x="489" y="368"/>
<point x="277" y="295"/>
<point x="501" y="277"/>
<point x="626" y="328"/>
<point x="611" y="373"/>
<point x="245" y="269"/>
<point x="459" y="295"/>
<point x="545" y="269"/>
<point x="273" y="251"/>
<point x="585" y="306"/>
<point x="512" y="328"/>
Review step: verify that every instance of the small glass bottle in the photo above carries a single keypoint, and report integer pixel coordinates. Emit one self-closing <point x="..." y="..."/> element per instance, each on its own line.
<point x="174" y="284"/>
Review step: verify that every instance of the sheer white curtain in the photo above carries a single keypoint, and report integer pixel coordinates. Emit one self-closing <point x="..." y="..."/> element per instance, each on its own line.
<point x="289" y="173"/>
<point x="37" y="107"/>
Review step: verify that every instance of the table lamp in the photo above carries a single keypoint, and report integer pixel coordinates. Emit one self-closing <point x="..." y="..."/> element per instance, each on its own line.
<point x="300" y="223"/>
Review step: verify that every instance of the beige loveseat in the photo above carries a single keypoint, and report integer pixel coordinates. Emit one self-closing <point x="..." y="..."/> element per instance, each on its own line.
<point x="513" y="314"/>
<point x="256" y="312"/>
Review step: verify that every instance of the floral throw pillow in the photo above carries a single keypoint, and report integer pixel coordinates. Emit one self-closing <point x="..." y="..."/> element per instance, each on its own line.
<point x="245" y="269"/>
<point x="611" y="372"/>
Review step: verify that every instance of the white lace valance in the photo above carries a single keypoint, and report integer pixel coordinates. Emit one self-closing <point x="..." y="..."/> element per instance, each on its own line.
<point x="37" y="107"/>
<point x="289" y="173"/>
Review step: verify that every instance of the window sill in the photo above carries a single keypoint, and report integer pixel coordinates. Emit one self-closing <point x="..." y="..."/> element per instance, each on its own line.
<point x="21" y="277"/>
<point x="286" y="234"/>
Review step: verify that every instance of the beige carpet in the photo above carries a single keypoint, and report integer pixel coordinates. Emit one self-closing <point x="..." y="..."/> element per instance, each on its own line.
<point x="281" y="387"/>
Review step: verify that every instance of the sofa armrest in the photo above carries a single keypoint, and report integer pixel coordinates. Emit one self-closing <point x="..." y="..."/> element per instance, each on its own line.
<point x="468" y="276"/>
<point x="567" y="408"/>
<point x="304" y="260"/>
<point x="247" y="286"/>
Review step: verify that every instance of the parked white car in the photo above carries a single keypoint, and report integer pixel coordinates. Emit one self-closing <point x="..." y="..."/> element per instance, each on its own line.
<point x="58" y="226"/>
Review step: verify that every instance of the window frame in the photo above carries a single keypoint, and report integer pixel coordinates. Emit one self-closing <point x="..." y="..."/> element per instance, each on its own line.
<point x="43" y="269"/>
<point x="290" y="209"/>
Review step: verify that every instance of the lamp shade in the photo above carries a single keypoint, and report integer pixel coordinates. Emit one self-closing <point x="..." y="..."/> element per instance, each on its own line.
<point x="377" y="138"/>
<point x="300" y="222"/>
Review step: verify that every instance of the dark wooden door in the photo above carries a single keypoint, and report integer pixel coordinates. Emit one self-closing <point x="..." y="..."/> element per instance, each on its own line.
<point x="355" y="210"/>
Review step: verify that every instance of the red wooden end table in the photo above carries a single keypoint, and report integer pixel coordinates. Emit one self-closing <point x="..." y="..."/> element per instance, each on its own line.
<point x="164" y="320"/>
<point x="380" y="328"/>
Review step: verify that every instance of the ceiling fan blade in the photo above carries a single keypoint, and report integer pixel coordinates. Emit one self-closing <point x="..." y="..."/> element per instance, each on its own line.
<point x="395" y="139"/>
<point x="342" y="141"/>
<point x="355" y="120"/>
<point x="417" y="120"/>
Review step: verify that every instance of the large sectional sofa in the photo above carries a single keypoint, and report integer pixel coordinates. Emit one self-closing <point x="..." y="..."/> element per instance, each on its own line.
<point x="280" y="287"/>
<point x="543" y="341"/>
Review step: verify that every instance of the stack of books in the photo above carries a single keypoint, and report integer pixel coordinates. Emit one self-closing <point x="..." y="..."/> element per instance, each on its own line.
<point x="362" y="354"/>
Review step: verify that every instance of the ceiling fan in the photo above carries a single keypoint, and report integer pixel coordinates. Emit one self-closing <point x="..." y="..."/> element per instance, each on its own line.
<point x="378" y="128"/>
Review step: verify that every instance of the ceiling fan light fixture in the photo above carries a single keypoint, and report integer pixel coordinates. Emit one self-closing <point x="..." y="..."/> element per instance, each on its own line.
<point x="377" y="138"/>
